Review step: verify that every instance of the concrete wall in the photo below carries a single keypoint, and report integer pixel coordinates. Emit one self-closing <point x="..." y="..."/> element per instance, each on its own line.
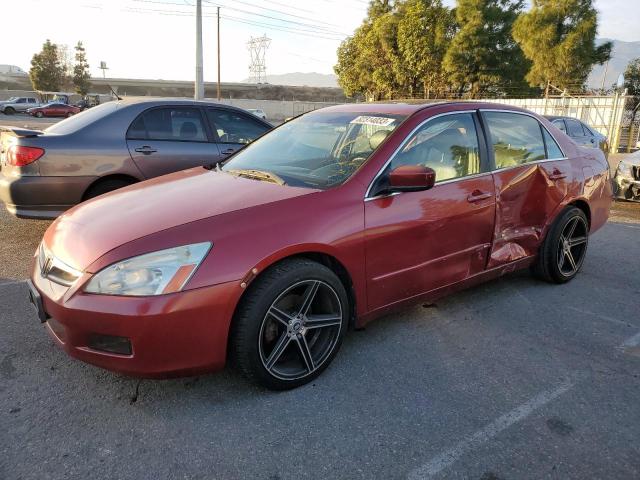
<point x="278" y="110"/>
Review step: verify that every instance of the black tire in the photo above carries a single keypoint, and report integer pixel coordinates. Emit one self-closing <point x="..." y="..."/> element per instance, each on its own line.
<point x="550" y="264"/>
<point x="39" y="114"/>
<point x="70" y="114"/>
<point x="105" y="186"/>
<point x="9" y="111"/>
<point x="248" y="341"/>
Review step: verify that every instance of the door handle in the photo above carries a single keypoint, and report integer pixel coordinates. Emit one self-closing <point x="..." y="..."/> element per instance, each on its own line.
<point x="228" y="151"/>
<point x="146" y="149"/>
<point x="557" y="175"/>
<point x="477" y="195"/>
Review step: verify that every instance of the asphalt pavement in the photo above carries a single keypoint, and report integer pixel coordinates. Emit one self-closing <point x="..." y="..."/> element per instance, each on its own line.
<point x="514" y="379"/>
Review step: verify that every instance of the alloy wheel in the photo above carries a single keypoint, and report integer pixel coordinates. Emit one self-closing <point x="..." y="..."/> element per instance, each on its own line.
<point x="300" y="330"/>
<point x="572" y="246"/>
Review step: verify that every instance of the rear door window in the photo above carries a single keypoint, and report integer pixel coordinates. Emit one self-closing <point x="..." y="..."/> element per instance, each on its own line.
<point x="574" y="128"/>
<point x="560" y="124"/>
<point x="516" y="139"/>
<point x="587" y="130"/>
<point x="178" y="124"/>
<point x="234" y="127"/>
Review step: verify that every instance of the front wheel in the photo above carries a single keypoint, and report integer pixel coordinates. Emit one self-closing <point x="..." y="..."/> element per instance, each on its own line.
<point x="290" y="325"/>
<point x="39" y="114"/>
<point x="565" y="247"/>
<point x="70" y="114"/>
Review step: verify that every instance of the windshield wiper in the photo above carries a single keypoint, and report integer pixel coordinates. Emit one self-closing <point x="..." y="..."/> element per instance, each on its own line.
<point x="257" y="175"/>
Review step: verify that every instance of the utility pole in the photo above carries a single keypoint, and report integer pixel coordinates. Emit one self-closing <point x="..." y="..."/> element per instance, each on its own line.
<point x="199" y="87"/>
<point x="604" y="77"/>
<point x="219" y="96"/>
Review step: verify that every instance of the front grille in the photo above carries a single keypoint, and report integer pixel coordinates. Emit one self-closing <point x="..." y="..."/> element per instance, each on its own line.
<point x="54" y="269"/>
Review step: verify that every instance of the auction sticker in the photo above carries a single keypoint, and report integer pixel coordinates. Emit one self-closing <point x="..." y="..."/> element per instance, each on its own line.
<point x="377" y="121"/>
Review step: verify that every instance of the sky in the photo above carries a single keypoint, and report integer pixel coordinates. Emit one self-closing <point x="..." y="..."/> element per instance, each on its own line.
<point x="156" y="38"/>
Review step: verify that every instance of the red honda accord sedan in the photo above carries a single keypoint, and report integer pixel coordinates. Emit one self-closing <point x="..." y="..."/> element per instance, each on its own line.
<point x="330" y="220"/>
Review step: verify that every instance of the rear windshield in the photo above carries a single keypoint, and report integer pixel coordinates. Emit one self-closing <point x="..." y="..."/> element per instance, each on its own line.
<point x="81" y="120"/>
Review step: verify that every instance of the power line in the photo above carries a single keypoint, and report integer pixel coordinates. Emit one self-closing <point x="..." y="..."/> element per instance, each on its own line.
<point x="247" y="12"/>
<point x="310" y="33"/>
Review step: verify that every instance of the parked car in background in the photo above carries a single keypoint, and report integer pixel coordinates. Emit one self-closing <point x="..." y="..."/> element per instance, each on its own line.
<point x="581" y="133"/>
<point x="93" y="99"/>
<point x="258" y="113"/>
<point x="18" y="104"/>
<point x="627" y="178"/>
<point x="113" y="145"/>
<point x="328" y="221"/>
<point x="54" y="109"/>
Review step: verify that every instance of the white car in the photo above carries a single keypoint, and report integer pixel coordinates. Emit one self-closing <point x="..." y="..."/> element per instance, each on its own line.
<point x="258" y="113"/>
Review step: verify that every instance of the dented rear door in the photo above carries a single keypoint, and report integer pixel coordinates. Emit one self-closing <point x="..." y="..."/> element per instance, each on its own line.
<point x="531" y="178"/>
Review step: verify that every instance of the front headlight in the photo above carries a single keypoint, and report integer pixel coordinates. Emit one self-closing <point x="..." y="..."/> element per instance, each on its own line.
<point x="157" y="273"/>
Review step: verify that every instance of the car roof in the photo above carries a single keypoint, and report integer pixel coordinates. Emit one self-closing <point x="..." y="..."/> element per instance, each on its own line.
<point x="409" y="108"/>
<point x="167" y="101"/>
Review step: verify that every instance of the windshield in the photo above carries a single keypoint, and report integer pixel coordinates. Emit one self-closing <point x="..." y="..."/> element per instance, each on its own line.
<point x="317" y="150"/>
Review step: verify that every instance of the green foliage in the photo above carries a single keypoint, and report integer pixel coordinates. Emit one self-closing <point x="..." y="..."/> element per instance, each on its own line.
<point x="81" y="75"/>
<point x="483" y="57"/>
<point x="480" y="48"/>
<point x="425" y="31"/>
<point x="632" y="77"/>
<point x="368" y="62"/>
<point x="47" y="71"/>
<point x="558" y="37"/>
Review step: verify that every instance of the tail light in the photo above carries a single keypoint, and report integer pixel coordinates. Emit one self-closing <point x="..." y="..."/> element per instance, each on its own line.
<point x="19" y="155"/>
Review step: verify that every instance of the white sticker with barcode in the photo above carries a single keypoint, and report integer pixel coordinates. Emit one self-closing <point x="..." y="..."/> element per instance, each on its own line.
<point x="369" y="120"/>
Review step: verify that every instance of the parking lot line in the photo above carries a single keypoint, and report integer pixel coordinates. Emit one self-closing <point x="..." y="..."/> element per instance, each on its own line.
<point x="448" y="457"/>
<point x="600" y="316"/>
<point x="631" y="342"/>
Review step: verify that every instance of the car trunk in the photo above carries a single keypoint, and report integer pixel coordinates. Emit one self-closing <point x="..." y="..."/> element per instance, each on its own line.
<point x="17" y="136"/>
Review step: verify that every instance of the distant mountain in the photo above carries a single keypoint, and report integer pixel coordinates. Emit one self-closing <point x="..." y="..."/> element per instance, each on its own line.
<point x="310" y="79"/>
<point x="623" y="53"/>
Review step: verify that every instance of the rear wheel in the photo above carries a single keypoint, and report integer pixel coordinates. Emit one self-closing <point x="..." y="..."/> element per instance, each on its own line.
<point x="106" y="186"/>
<point x="290" y="325"/>
<point x="564" y="249"/>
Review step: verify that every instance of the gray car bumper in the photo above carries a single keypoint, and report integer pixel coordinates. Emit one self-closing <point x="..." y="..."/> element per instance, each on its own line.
<point x="627" y="188"/>
<point x="41" y="197"/>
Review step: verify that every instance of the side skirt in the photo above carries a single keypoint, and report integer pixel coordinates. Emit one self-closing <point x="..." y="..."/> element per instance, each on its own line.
<point x="446" y="290"/>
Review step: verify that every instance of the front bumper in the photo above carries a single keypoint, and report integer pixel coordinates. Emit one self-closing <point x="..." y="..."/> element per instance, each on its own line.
<point x="170" y="335"/>
<point x="41" y="197"/>
<point x="627" y="188"/>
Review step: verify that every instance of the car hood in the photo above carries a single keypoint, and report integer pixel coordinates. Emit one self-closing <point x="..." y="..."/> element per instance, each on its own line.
<point x="88" y="231"/>
<point x="632" y="159"/>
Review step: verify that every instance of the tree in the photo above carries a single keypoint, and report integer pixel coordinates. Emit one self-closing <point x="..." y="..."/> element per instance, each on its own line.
<point x="368" y="61"/>
<point x="632" y="77"/>
<point x="558" y="37"/>
<point x="47" y="71"/>
<point x="425" y="31"/>
<point x="81" y="75"/>
<point x="483" y="56"/>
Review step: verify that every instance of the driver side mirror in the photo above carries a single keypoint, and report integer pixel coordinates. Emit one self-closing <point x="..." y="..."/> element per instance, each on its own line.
<point x="411" y="178"/>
